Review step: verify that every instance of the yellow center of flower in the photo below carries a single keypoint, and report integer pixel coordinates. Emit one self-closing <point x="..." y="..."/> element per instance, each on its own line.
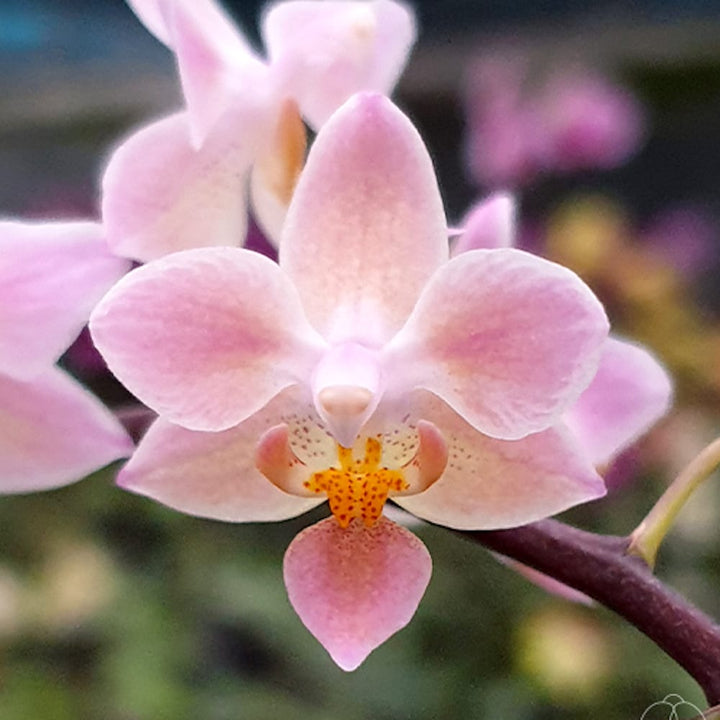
<point x="283" y="165"/>
<point x="358" y="488"/>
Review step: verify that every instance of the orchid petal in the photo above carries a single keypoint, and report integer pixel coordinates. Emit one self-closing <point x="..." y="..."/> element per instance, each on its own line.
<point x="344" y="48"/>
<point x="507" y="339"/>
<point x="277" y="461"/>
<point x="150" y="13"/>
<point x="355" y="587"/>
<point x="213" y="474"/>
<point x="51" y="276"/>
<point x="215" y="63"/>
<point x="365" y="228"/>
<point x="488" y="225"/>
<point x="276" y="171"/>
<point x="269" y="209"/>
<point x="429" y="462"/>
<point x="210" y="19"/>
<point x="160" y="195"/>
<point x="54" y="432"/>
<point x="491" y="484"/>
<point x="206" y="337"/>
<point x="630" y="392"/>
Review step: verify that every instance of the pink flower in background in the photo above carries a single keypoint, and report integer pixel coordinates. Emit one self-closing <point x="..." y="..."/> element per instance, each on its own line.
<point x="242" y="123"/>
<point x="500" y="128"/>
<point x="365" y="366"/>
<point x="574" y="119"/>
<point x="53" y="431"/>
<point x="588" y="122"/>
<point x="685" y="236"/>
<point x="488" y="225"/>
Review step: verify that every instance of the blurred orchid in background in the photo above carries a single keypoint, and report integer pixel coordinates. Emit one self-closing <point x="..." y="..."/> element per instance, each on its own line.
<point x="520" y="126"/>
<point x="243" y="122"/>
<point x="366" y="366"/>
<point x="53" y="430"/>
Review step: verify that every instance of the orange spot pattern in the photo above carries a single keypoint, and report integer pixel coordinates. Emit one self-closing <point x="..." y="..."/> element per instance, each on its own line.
<point x="358" y="488"/>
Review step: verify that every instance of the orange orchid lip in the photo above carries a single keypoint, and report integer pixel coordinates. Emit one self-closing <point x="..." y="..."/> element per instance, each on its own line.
<point x="359" y="488"/>
<point x="356" y="487"/>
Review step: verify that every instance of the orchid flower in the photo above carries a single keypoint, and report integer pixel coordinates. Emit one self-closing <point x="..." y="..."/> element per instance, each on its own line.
<point x="364" y="366"/>
<point x="630" y="392"/>
<point x="53" y="430"/>
<point x="572" y="119"/>
<point x="243" y="114"/>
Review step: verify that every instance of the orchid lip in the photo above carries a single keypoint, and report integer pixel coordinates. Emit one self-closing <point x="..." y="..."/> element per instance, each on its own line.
<point x="356" y="486"/>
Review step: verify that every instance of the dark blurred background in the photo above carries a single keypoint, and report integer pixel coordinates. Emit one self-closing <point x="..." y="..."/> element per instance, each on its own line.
<point x="114" y="608"/>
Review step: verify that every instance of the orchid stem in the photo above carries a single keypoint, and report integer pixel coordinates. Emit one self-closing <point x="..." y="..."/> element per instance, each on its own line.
<point x="646" y="538"/>
<point x="599" y="566"/>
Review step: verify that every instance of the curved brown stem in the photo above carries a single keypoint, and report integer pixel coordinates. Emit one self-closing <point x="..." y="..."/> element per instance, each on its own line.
<point x="599" y="566"/>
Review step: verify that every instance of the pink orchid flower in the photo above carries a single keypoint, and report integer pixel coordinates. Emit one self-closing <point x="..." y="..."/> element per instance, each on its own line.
<point x="364" y="366"/>
<point x="53" y="430"/>
<point x="572" y="119"/>
<point x="630" y="392"/>
<point x="243" y="117"/>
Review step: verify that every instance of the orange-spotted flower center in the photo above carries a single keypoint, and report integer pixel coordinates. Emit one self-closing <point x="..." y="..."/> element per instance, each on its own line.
<point x="358" y="488"/>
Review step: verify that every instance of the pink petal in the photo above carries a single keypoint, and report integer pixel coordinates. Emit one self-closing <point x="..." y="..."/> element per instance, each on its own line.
<point x="344" y="48"/>
<point x="430" y="460"/>
<point x="160" y="195"/>
<point x="213" y="474"/>
<point x="206" y="337"/>
<point x="51" y="276"/>
<point x="356" y="587"/>
<point x="365" y="228"/>
<point x="150" y="14"/>
<point x="277" y="168"/>
<point x="489" y="224"/>
<point x="268" y="207"/>
<point x="630" y="392"/>
<point x="277" y="461"/>
<point x="215" y="63"/>
<point x="53" y="432"/>
<point x="490" y="484"/>
<point x="208" y="16"/>
<point x="507" y="339"/>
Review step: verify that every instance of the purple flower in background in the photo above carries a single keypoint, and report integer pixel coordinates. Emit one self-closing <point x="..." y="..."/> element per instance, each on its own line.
<point x="571" y="119"/>
<point x="685" y="236"/>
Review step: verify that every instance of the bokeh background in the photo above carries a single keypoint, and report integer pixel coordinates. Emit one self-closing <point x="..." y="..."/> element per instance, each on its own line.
<point x="115" y="608"/>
